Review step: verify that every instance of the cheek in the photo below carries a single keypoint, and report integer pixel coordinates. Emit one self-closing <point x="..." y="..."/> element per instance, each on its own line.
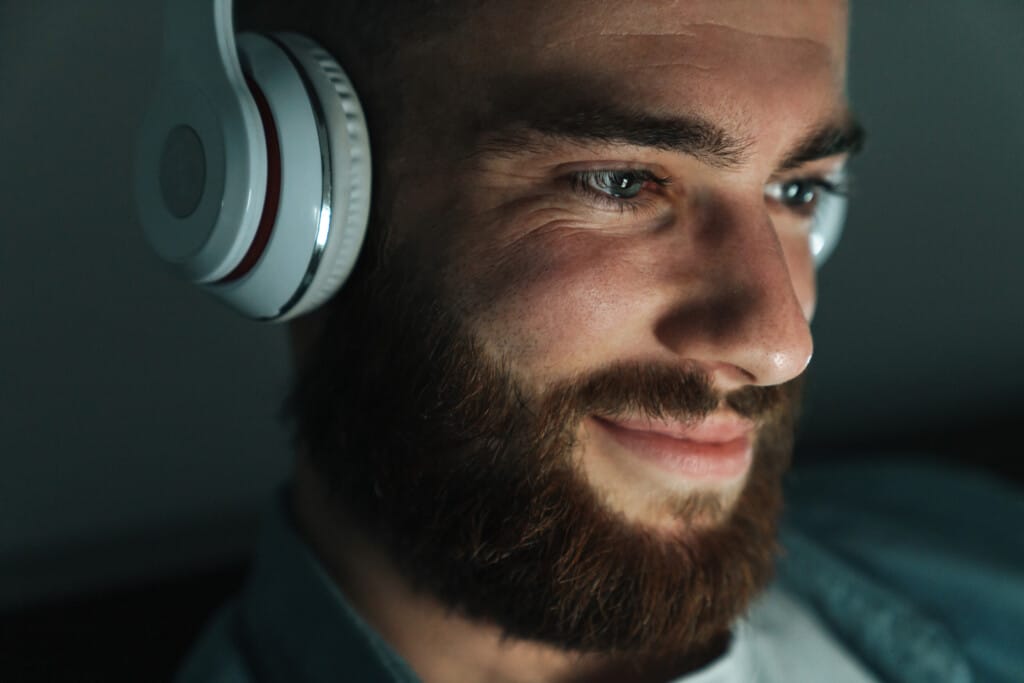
<point x="562" y="304"/>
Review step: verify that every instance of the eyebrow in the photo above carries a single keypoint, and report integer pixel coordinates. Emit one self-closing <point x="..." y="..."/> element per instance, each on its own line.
<point x="830" y="139"/>
<point x="688" y="134"/>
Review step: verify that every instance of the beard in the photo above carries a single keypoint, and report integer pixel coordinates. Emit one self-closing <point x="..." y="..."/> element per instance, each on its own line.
<point x="472" y="484"/>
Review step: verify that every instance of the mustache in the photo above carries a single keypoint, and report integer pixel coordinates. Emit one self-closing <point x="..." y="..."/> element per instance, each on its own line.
<point x="663" y="391"/>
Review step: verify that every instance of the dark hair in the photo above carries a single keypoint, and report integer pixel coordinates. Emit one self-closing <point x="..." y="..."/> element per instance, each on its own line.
<point x="364" y="36"/>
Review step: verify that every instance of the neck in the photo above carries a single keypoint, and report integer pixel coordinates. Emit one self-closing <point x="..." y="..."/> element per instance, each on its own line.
<point x="436" y="642"/>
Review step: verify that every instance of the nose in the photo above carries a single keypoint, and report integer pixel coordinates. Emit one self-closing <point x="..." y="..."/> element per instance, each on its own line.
<point x="737" y="314"/>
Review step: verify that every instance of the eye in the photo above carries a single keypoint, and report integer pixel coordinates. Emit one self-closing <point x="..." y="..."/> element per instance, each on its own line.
<point x="618" y="184"/>
<point x="617" y="188"/>
<point x="802" y="195"/>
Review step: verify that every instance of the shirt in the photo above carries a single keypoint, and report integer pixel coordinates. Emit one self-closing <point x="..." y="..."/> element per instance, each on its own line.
<point x="917" y="565"/>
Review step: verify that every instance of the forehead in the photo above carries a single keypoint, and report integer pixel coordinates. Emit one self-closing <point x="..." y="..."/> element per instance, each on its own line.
<point x="542" y="28"/>
<point x="744" y="62"/>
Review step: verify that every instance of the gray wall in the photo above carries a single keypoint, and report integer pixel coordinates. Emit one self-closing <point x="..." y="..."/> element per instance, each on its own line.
<point x="138" y="434"/>
<point x="139" y="429"/>
<point x="921" y="319"/>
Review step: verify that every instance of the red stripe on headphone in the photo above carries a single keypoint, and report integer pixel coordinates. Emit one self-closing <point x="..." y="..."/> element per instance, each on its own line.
<point x="273" y="196"/>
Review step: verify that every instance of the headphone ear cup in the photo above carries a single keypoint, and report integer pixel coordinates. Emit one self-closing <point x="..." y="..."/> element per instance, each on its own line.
<point x="200" y="161"/>
<point x="252" y="182"/>
<point x="315" y="216"/>
<point x="345" y="150"/>
<point x="829" y="217"/>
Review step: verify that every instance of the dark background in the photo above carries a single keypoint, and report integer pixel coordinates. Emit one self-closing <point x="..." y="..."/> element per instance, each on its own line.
<point x="138" y="430"/>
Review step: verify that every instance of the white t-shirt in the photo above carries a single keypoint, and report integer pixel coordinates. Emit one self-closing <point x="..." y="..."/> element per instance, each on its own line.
<point x="780" y="641"/>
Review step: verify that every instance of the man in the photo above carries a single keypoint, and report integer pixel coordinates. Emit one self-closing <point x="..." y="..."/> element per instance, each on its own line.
<point x="541" y="431"/>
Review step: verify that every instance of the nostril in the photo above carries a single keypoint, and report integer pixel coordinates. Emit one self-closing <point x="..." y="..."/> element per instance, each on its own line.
<point x="727" y="377"/>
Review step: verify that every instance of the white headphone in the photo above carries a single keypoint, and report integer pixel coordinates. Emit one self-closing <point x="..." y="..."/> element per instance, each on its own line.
<point x="253" y="164"/>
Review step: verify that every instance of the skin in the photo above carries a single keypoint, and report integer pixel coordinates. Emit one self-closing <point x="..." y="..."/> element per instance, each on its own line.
<point x="710" y="275"/>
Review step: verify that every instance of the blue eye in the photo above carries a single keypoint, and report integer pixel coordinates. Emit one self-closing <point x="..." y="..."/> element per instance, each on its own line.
<point x="799" y="193"/>
<point x="619" y="188"/>
<point x="618" y="184"/>
<point x="802" y="195"/>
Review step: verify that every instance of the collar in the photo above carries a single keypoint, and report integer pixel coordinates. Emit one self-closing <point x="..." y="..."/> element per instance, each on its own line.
<point x="295" y="624"/>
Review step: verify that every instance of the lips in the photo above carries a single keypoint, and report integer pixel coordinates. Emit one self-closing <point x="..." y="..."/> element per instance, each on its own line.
<point x="718" y="447"/>
<point x="716" y="429"/>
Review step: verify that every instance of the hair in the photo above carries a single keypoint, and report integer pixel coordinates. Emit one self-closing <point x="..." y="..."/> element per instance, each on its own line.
<point x="366" y="38"/>
<point x="372" y="29"/>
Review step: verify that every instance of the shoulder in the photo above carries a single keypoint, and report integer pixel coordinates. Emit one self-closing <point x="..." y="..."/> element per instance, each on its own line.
<point x="920" y="563"/>
<point x="217" y="656"/>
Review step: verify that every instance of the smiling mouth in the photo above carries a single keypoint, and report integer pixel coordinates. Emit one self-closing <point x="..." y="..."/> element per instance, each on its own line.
<point x="719" y="448"/>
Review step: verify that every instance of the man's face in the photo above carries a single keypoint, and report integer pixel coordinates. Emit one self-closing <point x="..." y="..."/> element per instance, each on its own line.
<point x="572" y="246"/>
<point x="573" y="371"/>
